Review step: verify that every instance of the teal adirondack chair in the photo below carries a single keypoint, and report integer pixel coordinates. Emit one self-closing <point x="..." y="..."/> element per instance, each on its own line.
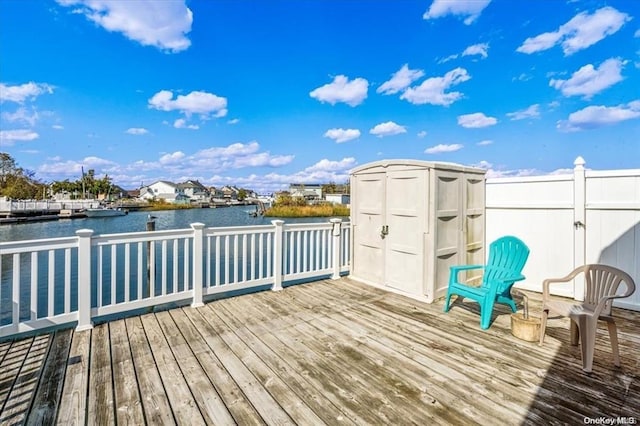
<point x="507" y="256"/>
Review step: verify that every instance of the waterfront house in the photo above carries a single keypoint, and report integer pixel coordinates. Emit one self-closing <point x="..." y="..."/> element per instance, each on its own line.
<point x="196" y="191"/>
<point x="338" y="198"/>
<point x="310" y="192"/>
<point x="163" y="190"/>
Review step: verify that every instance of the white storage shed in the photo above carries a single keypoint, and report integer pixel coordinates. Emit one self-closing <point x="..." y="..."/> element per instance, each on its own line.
<point x="413" y="219"/>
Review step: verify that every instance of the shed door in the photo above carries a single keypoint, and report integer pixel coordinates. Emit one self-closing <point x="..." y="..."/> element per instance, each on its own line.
<point x="406" y="214"/>
<point x="368" y="252"/>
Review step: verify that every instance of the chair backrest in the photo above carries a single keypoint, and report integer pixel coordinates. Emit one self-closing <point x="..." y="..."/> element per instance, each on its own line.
<point x="604" y="280"/>
<point x="507" y="256"/>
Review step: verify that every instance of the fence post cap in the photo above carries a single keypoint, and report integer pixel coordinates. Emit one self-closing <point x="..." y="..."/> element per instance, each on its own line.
<point x="277" y="222"/>
<point x="198" y="225"/>
<point x="84" y="232"/>
<point x="335" y="220"/>
<point x="579" y="163"/>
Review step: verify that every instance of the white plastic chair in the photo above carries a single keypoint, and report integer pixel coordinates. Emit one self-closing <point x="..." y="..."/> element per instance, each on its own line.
<point x="601" y="287"/>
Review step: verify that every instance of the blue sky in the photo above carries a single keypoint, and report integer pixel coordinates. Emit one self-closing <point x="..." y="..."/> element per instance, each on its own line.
<point x="261" y="94"/>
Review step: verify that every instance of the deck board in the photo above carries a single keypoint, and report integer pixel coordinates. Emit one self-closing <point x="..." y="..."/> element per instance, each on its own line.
<point x="328" y="352"/>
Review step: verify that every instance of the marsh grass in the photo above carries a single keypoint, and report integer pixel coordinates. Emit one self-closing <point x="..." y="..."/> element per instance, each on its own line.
<point x="324" y="210"/>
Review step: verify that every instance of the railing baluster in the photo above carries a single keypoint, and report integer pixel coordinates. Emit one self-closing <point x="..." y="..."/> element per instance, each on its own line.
<point x="298" y="251"/>
<point x="34" y="285"/>
<point x="127" y="272"/>
<point x="51" y="283"/>
<point x="253" y="257"/>
<point x="317" y="249"/>
<point x="67" y="280"/>
<point x="244" y="257"/>
<point x="114" y="274"/>
<point x="269" y="257"/>
<point x="99" y="267"/>
<point x="164" y="267"/>
<point x="236" y="264"/>
<point x="208" y="262"/>
<point x="175" y="286"/>
<point x="226" y="259"/>
<point x="140" y="280"/>
<point x="187" y="260"/>
<point x="15" y="296"/>
<point x="261" y="255"/>
<point x="217" y="265"/>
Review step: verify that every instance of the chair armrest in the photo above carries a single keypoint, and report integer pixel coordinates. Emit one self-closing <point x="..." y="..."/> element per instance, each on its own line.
<point x="546" y="283"/>
<point x="465" y="267"/>
<point x="511" y="279"/>
<point x="453" y="276"/>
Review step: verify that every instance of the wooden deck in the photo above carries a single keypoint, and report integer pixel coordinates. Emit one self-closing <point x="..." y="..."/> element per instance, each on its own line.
<point x="320" y="353"/>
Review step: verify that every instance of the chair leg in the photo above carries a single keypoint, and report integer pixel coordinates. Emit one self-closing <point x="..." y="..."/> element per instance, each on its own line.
<point x="613" y="336"/>
<point x="587" y="330"/>
<point x="574" y="332"/>
<point x="447" y="300"/>
<point x="512" y="305"/>
<point x="543" y="325"/>
<point x="486" y="310"/>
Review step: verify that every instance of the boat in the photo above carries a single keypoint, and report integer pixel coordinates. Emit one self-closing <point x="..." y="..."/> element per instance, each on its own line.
<point x="105" y="212"/>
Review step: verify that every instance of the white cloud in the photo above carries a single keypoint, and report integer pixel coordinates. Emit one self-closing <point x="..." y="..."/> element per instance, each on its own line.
<point x="588" y="80"/>
<point x="443" y="148"/>
<point x="476" y="120"/>
<point x="8" y="137"/>
<point x="162" y="24"/>
<point x="202" y="103"/>
<point x="22" y="115"/>
<point x="136" y="131"/>
<point x="342" y="135"/>
<point x="501" y="172"/>
<point x="172" y="158"/>
<point x="433" y="90"/>
<point x="582" y="31"/>
<point x="23" y="92"/>
<point x="477" y="49"/>
<point x="57" y="127"/>
<point x="400" y="80"/>
<point x="532" y="111"/>
<point x="352" y="93"/>
<point x="637" y="33"/>
<point x="485" y="142"/>
<point x="233" y="121"/>
<point x="181" y="123"/>
<point x="422" y="134"/>
<point x="593" y="117"/>
<point x="387" y="129"/>
<point x="469" y="9"/>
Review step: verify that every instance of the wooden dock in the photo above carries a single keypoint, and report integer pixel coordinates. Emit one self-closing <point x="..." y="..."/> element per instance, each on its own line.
<point x="328" y="352"/>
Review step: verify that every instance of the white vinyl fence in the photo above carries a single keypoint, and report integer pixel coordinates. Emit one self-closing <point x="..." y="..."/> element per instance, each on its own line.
<point x="569" y="220"/>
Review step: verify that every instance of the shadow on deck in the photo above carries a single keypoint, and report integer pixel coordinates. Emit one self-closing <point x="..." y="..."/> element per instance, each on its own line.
<point x="320" y="353"/>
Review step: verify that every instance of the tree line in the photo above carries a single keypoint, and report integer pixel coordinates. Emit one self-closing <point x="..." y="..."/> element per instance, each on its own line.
<point x="21" y="184"/>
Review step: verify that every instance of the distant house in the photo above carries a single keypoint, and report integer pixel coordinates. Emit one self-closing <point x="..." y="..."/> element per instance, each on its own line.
<point x="196" y="191"/>
<point x="230" y="193"/>
<point x="338" y="198"/>
<point x="216" y="193"/>
<point x="310" y="192"/>
<point x="163" y="190"/>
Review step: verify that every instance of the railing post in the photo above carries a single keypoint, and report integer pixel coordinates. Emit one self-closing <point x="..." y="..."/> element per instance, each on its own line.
<point x="198" y="255"/>
<point x="579" y="223"/>
<point x="337" y="231"/>
<point x="84" y="279"/>
<point x="278" y="254"/>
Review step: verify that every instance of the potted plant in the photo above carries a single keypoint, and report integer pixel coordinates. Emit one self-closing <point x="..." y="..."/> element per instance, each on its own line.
<point x="522" y="325"/>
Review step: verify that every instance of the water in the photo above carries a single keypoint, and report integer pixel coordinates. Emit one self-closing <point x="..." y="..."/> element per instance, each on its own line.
<point x="136" y="221"/>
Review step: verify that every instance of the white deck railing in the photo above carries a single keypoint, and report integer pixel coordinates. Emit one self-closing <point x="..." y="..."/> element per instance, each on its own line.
<point x="58" y="281"/>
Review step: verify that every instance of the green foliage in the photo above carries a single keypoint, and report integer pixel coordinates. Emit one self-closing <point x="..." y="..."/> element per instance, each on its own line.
<point x="17" y="183"/>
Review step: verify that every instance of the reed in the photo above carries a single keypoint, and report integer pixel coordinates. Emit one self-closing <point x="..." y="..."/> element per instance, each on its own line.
<point x="324" y="210"/>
